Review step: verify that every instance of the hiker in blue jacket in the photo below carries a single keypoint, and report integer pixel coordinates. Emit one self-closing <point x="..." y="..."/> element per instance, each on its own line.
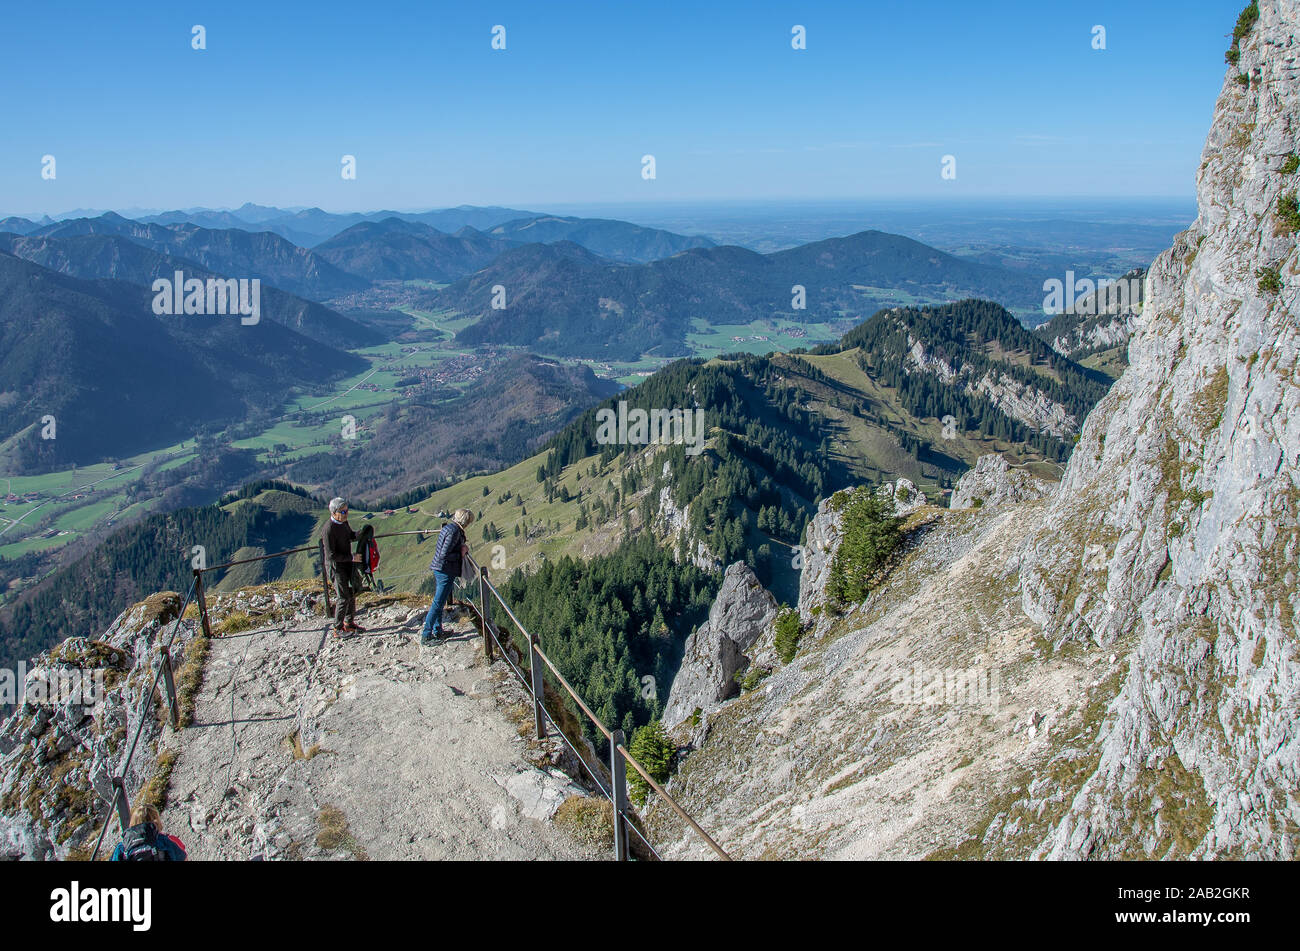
<point x="446" y="566"/>
<point x="145" y="841"/>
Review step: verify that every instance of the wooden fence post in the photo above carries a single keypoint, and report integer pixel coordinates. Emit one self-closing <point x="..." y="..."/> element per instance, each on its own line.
<point x="485" y="611"/>
<point x="170" y="683"/>
<point x="203" y="602"/>
<point x="539" y="687"/>
<point x="123" y="805"/>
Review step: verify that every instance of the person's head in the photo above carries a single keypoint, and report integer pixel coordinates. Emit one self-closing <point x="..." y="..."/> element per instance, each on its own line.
<point x="463" y="517"/>
<point x="339" y="508"/>
<point x="146" y="812"/>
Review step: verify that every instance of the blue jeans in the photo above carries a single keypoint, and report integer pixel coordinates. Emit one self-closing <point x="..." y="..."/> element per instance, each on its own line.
<point x="441" y="594"/>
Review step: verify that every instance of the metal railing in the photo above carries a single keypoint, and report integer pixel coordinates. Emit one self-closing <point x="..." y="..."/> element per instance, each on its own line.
<point x="120" y="800"/>
<point x="624" y="817"/>
<point x="620" y="757"/>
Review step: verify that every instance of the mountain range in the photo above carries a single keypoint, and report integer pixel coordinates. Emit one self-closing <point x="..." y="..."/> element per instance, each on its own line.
<point x="110" y="256"/>
<point x="118" y="379"/>
<point x="563" y="299"/>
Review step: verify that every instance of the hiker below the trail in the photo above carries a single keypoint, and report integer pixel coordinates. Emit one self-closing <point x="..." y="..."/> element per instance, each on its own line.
<point x="446" y="567"/>
<point x="145" y="840"/>
<point x="338" y="549"/>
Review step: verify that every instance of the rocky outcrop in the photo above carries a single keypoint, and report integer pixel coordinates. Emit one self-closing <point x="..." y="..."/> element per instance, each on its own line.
<point x="1173" y="539"/>
<point x="820" y="541"/>
<point x="742" y="613"/>
<point x="394" y="750"/>
<point x="905" y="496"/>
<point x="823" y="538"/>
<point x="994" y="483"/>
<point x="69" y="735"/>
<point x="1025" y="404"/>
<point x="676" y="524"/>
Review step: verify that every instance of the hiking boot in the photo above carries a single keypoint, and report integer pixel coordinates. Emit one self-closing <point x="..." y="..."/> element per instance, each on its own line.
<point x="338" y="631"/>
<point x="352" y="628"/>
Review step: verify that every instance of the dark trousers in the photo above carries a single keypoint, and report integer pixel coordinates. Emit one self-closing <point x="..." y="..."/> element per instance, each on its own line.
<point x="345" y="602"/>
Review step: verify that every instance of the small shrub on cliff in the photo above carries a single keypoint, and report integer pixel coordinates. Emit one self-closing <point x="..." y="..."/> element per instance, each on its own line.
<point x="751" y="677"/>
<point x="788" y="633"/>
<point x="1291" y="164"/>
<point x="651" y="748"/>
<point x="1245" y="22"/>
<point x="1270" y="280"/>
<point x="1288" y="212"/>
<point x="871" y="536"/>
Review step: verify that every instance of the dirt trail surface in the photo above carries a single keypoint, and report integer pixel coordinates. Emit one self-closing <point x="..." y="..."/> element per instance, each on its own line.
<point x="370" y="746"/>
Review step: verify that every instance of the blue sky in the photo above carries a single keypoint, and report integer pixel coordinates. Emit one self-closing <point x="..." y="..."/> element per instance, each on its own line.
<point x="137" y="119"/>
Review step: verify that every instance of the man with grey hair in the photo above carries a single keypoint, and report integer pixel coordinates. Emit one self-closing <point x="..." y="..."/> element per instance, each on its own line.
<point x="338" y="549"/>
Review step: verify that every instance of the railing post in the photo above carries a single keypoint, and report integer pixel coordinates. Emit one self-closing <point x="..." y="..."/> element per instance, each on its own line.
<point x="618" y="785"/>
<point x="325" y="579"/>
<point x="203" y="602"/>
<point x="170" y="683"/>
<point x="485" y="611"/>
<point x="123" y="806"/>
<point x="539" y="687"/>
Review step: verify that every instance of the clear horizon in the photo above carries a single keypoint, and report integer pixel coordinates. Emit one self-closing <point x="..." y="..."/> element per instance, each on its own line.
<point x="1060" y="204"/>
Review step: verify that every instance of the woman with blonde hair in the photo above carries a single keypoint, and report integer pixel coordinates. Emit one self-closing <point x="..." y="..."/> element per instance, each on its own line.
<point x="446" y="566"/>
<point x="145" y="840"/>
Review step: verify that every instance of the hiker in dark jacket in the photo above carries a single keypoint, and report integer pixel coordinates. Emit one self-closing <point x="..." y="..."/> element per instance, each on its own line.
<point x="446" y="567"/>
<point x="145" y="840"/>
<point x="338" y="549"/>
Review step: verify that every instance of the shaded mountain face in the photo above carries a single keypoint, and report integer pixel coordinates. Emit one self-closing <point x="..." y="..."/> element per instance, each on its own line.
<point x="233" y="252"/>
<point x="118" y="258"/>
<point x="118" y="379"/>
<point x="393" y="249"/>
<point x="617" y="240"/>
<point x="562" y="301"/>
<point x="17" y="226"/>
<point x="500" y="419"/>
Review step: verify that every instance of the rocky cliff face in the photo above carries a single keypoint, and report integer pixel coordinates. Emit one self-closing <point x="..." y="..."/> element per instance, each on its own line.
<point x="1140" y="619"/>
<point x="61" y="747"/>
<point x="1173" y="537"/>
<point x="822" y="539"/>
<point x="742" y="614"/>
<point x="994" y="483"/>
<point x="1025" y="404"/>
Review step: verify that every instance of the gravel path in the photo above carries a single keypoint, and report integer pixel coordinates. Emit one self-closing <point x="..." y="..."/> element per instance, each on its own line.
<point x="304" y="746"/>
